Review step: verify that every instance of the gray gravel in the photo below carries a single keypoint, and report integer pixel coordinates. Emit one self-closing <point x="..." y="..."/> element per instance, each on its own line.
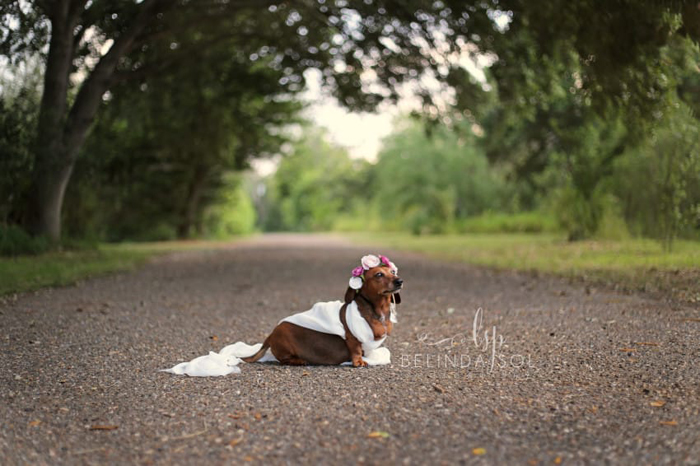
<point x="576" y="380"/>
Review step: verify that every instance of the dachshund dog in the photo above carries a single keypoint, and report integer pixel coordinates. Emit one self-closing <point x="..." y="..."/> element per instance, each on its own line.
<point x="292" y="344"/>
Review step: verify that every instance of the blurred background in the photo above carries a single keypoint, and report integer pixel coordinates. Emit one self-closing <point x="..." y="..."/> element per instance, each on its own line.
<point x="564" y="121"/>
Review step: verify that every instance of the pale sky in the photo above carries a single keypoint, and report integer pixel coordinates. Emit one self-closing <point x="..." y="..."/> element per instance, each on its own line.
<point x="359" y="133"/>
<point x="362" y="133"/>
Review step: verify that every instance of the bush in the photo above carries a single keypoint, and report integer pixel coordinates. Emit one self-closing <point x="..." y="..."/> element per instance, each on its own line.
<point x="659" y="182"/>
<point x="577" y="214"/>
<point x="612" y="225"/>
<point x="14" y="241"/>
<point x="233" y="213"/>
<point x="430" y="183"/>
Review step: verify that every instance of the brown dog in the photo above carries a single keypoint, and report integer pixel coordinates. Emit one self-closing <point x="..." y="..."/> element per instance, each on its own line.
<point x="295" y="345"/>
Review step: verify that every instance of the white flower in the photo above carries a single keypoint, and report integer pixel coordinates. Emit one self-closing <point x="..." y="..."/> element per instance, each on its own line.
<point x="356" y="283"/>
<point x="370" y="261"/>
<point x="393" y="268"/>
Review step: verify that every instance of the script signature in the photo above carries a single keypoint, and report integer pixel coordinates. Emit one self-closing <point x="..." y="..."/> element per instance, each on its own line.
<point x="485" y="340"/>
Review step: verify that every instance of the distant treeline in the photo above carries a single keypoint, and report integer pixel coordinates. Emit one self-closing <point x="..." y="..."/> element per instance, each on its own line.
<point x="436" y="179"/>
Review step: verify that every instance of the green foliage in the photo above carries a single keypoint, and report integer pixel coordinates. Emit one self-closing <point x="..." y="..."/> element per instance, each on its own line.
<point x="583" y="157"/>
<point x="19" y="104"/>
<point x="612" y="225"/>
<point x="232" y="213"/>
<point x="659" y="184"/>
<point x="616" y="64"/>
<point x="522" y="222"/>
<point x="59" y="268"/>
<point x="421" y="183"/>
<point x="315" y="185"/>
<point x="365" y="216"/>
<point x="619" y="58"/>
<point x="207" y="86"/>
<point x="587" y="217"/>
<point x="168" y="146"/>
<point x="14" y="241"/>
<point x="427" y="182"/>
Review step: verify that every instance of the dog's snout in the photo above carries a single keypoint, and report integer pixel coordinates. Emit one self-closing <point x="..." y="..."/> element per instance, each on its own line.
<point x="398" y="282"/>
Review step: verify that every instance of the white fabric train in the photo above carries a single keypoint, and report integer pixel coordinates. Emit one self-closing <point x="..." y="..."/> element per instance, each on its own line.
<point x="322" y="317"/>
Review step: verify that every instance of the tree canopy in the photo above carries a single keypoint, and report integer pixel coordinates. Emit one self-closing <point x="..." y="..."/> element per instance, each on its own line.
<point x="603" y="60"/>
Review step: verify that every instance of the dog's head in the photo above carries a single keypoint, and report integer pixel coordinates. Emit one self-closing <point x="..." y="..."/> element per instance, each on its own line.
<point x="379" y="279"/>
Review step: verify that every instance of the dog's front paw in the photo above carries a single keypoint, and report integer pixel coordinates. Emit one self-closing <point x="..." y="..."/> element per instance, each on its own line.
<point x="359" y="362"/>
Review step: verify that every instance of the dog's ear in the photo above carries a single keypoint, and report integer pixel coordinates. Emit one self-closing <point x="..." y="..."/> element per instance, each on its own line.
<point x="350" y="295"/>
<point x="397" y="298"/>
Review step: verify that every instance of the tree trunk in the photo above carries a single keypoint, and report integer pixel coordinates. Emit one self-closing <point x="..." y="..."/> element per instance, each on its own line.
<point x="60" y="136"/>
<point x="191" y="208"/>
<point x="51" y="173"/>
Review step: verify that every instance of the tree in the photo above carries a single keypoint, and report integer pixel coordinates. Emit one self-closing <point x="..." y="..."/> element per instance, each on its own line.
<point x="315" y="184"/>
<point x="168" y="143"/>
<point x="19" y="102"/>
<point x="296" y="37"/>
<point x="396" y="41"/>
<point x="428" y="182"/>
<point x="658" y="184"/>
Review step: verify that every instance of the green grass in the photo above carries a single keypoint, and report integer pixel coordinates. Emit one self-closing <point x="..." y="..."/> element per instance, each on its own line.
<point x="523" y="222"/>
<point x="634" y="264"/>
<point x="27" y="273"/>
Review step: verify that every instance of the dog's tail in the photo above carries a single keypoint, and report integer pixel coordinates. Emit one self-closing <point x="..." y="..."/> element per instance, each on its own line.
<point x="260" y="353"/>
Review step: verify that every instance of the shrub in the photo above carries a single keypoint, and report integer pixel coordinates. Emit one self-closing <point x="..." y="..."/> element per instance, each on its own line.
<point x="14" y="241"/>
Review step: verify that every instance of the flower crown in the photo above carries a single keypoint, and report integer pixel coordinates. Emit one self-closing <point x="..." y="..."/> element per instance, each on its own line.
<point x="369" y="261"/>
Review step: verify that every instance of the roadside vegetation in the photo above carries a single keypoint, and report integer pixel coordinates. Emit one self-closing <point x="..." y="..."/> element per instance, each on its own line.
<point x="557" y="153"/>
<point x="81" y="261"/>
<point x="630" y="265"/>
<point x="59" y="268"/>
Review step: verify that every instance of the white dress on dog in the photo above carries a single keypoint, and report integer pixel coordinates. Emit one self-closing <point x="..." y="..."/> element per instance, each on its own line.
<point x="322" y="317"/>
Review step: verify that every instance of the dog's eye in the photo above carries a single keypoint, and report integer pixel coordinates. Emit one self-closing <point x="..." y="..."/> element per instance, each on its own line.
<point x="379" y="275"/>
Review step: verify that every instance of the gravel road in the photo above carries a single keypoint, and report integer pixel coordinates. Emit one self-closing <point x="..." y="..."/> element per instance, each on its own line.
<point x="574" y="376"/>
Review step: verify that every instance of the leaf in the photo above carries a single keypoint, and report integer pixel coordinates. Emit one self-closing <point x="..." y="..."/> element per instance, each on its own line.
<point x="657" y="404"/>
<point x="479" y="451"/>
<point x="668" y="423"/>
<point x="103" y="427"/>
<point x="378" y="434"/>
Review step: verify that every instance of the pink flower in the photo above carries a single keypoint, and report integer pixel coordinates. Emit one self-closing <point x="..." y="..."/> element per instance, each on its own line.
<point x="358" y="271"/>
